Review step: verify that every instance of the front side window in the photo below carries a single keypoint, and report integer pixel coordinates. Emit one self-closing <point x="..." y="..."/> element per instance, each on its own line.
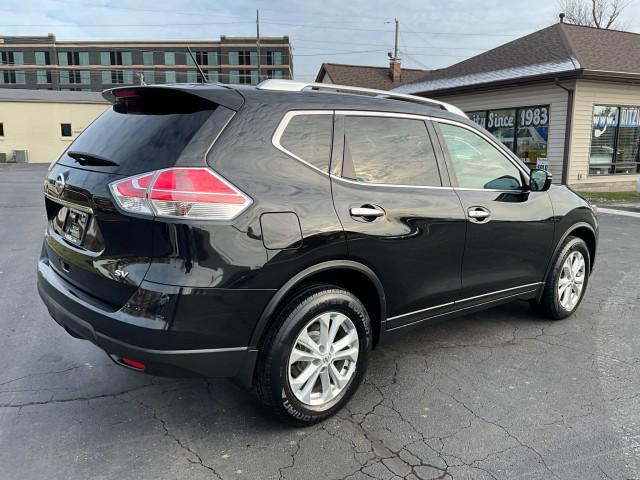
<point x="477" y="163"/>
<point x="308" y="137"/>
<point x="383" y="150"/>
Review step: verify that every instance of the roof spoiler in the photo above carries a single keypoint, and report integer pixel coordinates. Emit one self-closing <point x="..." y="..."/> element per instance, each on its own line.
<point x="218" y="94"/>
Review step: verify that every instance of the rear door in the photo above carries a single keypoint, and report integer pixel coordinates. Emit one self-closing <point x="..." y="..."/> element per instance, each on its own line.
<point x="510" y="229"/>
<point x="88" y="241"/>
<point x="400" y="219"/>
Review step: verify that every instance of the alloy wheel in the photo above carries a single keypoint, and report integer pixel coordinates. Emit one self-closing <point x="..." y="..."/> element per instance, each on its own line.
<point x="571" y="281"/>
<point x="323" y="358"/>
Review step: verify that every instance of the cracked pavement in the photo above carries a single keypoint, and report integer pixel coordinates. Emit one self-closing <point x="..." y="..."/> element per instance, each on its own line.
<point x="499" y="394"/>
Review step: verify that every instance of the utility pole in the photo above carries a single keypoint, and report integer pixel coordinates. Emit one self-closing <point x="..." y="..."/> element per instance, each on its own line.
<point x="395" y="47"/>
<point x="258" y="44"/>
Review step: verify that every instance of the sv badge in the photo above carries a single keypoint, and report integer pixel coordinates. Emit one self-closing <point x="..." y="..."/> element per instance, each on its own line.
<point x="121" y="274"/>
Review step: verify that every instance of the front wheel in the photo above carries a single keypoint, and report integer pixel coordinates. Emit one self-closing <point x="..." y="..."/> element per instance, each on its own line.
<point x="567" y="281"/>
<point x="315" y="355"/>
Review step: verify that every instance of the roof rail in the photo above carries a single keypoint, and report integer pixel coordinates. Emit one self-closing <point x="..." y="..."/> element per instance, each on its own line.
<point x="293" y="86"/>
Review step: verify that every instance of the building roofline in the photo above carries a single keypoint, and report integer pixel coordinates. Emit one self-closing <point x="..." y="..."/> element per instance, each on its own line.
<point x="371" y="66"/>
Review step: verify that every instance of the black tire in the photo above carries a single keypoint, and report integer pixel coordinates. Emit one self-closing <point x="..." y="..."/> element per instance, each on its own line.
<point x="272" y="371"/>
<point x="549" y="305"/>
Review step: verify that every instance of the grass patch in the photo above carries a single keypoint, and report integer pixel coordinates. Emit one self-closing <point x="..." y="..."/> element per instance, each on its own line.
<point x="605" y="197"/>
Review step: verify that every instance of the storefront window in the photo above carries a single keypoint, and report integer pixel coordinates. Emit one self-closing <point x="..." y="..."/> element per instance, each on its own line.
<point x="478" y="117"/>
<point x="523" y="130"/>
<point x="615" y="140"/>
<point x="532" y="134"/>
<point x="502" y="125"/>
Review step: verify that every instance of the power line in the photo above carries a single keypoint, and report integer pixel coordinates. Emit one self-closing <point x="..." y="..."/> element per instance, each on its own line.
<point x="306" y="25"/>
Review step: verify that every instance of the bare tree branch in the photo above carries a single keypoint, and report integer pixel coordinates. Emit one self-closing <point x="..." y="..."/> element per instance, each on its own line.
<point x="603" y="14"/>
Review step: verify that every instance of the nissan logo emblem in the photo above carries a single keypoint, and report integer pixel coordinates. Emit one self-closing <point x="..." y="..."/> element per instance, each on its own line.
<point x="59" y="184"/>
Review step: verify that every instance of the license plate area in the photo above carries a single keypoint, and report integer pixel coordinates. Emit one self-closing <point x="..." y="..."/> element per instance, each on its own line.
<point x="75" y="226"/>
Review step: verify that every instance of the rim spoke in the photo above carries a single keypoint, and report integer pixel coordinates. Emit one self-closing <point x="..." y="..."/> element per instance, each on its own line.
<point x="337" y="321"/>
<point x="324" y="321"/>
<point x="306" y="341"/>
<point x="338" y="379"/>
<point x="345" y="341"/>
<point x="298" y="355"/>
<point x="326" y="385"/>
<point x="297" y="382"/>
<point x="305" y="392"/>
<point x="348" y="354"/>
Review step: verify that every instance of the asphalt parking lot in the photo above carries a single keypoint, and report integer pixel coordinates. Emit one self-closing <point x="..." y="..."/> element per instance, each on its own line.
<point x="499" y="394"/>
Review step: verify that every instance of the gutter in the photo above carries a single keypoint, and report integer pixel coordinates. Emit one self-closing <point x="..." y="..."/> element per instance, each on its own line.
<point x="567" y="129"/>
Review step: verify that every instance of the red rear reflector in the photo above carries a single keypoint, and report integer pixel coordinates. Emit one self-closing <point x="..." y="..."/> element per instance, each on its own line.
<point x="133" y="363"/>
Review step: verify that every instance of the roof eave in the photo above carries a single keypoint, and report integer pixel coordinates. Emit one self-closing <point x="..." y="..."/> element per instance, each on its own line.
<point x="568" y="75"/>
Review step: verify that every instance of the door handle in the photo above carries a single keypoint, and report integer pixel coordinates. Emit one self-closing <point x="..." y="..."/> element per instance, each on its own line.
<point x="368" y="213"/>
<point x="479" y="214"/>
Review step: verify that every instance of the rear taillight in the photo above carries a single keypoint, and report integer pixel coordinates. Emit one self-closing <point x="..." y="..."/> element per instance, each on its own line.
<point x="196" y="193"/>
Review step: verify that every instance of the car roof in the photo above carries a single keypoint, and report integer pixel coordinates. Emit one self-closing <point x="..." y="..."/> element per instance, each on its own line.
<point x="235" y="96"/>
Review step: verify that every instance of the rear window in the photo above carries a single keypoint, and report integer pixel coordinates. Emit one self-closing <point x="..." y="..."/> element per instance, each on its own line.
<point x="143" y="136"/>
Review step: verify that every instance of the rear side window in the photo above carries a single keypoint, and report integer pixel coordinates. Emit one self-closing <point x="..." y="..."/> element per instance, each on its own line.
<point x="384" y="150"/>
<point x="308" y="137"/>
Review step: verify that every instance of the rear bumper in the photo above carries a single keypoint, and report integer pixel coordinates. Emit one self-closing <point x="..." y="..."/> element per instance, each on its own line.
<point x="82" y="319"/>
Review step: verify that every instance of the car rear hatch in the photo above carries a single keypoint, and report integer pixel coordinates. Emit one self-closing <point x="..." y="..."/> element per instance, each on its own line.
<point x="89" y="242"/>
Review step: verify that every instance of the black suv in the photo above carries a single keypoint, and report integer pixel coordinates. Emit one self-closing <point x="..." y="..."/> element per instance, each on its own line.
<point x="276" y="234"/>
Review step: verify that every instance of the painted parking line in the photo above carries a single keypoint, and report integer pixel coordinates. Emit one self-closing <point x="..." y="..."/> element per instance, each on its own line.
<point x="612" y="211"/>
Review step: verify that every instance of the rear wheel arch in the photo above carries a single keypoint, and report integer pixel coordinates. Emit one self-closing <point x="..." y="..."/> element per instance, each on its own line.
<point x="352" y="276"/>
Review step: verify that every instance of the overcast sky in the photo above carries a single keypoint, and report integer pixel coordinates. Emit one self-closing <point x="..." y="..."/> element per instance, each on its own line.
<point x="433" y="34"/>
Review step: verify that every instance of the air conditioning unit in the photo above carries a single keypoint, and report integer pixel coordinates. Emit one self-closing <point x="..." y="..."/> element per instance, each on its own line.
<point x="20" y="156"/>
<point x="3" y="158"/>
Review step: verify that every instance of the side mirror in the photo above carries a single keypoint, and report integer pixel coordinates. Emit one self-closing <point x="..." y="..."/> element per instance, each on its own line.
<point x="540" y="180"/>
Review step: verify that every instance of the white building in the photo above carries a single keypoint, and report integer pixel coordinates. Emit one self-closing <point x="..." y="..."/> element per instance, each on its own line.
<point x="566" y="96"/>
<point x="37" y="125"/>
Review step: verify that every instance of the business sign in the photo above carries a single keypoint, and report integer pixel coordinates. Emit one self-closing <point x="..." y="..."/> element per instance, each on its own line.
<point x="542" y="164"/>
<point x="533" y="117"/>
<point x="501" y="119"/>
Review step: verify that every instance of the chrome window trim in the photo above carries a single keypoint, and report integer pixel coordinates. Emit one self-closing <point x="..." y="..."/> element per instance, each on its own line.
<point x="462" y="300"/>
<point x="391" y="185"/>
<point x="277" y="136"/>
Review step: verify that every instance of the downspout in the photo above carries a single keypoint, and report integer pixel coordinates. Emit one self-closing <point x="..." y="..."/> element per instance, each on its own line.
<point x="567" y="130"/>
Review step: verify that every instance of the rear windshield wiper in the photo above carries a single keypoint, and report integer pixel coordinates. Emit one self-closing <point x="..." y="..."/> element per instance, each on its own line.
<point x="89" y="159"/>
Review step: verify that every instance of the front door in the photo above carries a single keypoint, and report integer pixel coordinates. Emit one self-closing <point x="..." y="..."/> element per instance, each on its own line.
<point x="510" y="230"/>
<point x="398" y="216"/>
